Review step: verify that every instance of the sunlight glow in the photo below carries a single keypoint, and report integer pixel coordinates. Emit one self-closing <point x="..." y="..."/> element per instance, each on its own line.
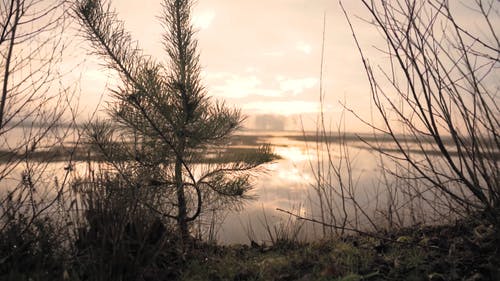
<point x="294" y="175"/>
<point x="294" y="153"/>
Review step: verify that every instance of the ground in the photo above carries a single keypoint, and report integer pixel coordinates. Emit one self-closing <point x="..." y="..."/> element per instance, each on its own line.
<point x="468" y="250"/>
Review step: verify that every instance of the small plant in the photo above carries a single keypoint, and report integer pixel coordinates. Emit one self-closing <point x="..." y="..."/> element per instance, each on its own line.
<point x="30" y="248"/>
<point x="163" y="119"/>
<point x="120" y="239"/>
<point x="285" y="233"/>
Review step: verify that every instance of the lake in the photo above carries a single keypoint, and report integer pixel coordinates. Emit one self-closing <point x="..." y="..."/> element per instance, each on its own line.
<point x="304" y="182"/>
<point x="288" y="184"/>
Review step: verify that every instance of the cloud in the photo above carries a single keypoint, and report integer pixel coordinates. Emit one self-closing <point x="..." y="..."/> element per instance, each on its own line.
<point x="297" y="86"/>
<point x="203" y="19"/>
<point x="252" y="84"/>
<point x="229" y="85"/>
<point x="303" y="47"/>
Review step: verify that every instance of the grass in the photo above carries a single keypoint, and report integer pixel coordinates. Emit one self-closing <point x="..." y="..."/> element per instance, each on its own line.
<point x="452" y="252"/>
<point x="466" y="250"/>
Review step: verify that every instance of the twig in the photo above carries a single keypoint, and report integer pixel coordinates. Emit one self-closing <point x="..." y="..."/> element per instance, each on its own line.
<point x="360" y="232"/>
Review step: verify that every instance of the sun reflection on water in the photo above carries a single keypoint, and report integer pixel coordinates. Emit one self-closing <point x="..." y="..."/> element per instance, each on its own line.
<point x="294" y="153"/>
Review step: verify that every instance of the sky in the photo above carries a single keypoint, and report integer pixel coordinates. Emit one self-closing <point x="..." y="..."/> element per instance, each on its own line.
<point x="264" y="56"/>
<point x="261" y="56"/>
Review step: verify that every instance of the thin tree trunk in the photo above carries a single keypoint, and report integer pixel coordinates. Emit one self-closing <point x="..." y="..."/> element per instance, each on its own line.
<point x="7" y="62"/>
<point x="181" y="201"/>
<point x="181" y="198"/>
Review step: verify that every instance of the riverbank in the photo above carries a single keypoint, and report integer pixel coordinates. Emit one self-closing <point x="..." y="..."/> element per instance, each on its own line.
<point x="468" y="250"/>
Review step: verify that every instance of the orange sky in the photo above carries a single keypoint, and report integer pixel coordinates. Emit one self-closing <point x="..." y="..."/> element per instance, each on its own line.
<point x="259" y="55"/>
<point x="264" y="55"/>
